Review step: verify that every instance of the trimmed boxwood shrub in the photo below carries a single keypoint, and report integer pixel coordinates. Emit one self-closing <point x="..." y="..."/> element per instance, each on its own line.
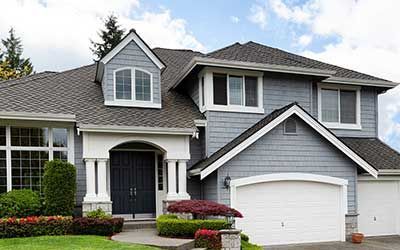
<point x="59" y="183"/>
<point x="210" y="239"/>
<point x="34" y="226"/>
<point x="172" y="226"/>
<point x="19" y="203"/>
<point x="99" y="214"/>
<point x="95" y="226"/>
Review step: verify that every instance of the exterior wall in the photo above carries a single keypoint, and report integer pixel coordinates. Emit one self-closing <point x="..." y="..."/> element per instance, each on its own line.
<point x="130" y="56"/>
<point x="209" y="187"/>
<point x="305" y="152"/>
<point x="80" y="170"/>
<point x="278" y="91"/>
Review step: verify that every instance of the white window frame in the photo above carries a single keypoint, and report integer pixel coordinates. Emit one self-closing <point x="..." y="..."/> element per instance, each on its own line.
<point x="133" y="102"/>
<point x="8" y="148"/>
<point x="339" y="125"/>
<point x="208" y="72"/>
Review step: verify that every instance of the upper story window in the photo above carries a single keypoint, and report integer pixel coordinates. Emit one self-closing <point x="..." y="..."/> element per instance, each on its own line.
<point x="339" y="106"/>
<point x="133" y="84"/>
<point x="290" y="126"/>
<point x="230" y="90"/>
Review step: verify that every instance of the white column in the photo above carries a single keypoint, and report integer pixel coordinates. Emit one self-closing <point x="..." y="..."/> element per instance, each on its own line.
<point x="90" y="180"/>
<point x="171" y="195"/>
<point x="102" y="180"/>
<point x="183" y="195"/>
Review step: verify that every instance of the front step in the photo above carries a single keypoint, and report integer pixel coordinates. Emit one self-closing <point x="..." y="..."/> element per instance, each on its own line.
<point x="138" y="224"/>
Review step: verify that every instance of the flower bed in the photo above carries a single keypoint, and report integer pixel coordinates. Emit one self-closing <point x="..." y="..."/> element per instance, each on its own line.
<point x="172" y="226"/>
<point x="210" y="239"/>
<point x="35" y="226"/>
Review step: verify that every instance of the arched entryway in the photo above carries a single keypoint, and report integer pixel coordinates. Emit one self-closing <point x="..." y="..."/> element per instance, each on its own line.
<point x="137" y="179"/>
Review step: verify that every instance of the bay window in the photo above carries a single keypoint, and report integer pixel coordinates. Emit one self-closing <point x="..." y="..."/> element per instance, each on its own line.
<point x="230" y="90"/>
<point x="339" y="106"/>
<point x="25" y="150"/>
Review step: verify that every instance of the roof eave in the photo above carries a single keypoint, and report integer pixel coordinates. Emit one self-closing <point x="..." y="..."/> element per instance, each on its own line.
<point x="249" y="66"/>
<point x="366" y="82"/>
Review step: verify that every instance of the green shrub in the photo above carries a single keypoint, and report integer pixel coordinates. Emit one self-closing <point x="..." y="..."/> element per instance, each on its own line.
<point x="59" y="183"/>
<point x="99" y="214"/>
<point x="172" y="226"/>
<point x="19" y="203"/>
<point x="244" y="237"/>
<point x="248" y="246"/>
<point x="34" y="226"/>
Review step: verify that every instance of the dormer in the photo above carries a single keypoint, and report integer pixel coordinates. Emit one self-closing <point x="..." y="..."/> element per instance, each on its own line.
<point x="130" y="74"/>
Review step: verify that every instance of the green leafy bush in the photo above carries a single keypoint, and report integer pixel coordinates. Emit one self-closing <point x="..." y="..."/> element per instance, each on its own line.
<point x="59" y="188"/>
<point x="95" y="226"/>
<point x="244" y="237"/>
<point x="34" y="226"/>
<point x="99" y="214"/>
<point x="19" y="203"/>
<point x="248" y="246"/>
<point x="172" y="226"/>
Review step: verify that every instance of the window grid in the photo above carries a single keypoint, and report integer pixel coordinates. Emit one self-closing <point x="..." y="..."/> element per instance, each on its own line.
<point x="123" y="84"/>
<point x="2" y="136"/>
<point x="3" y="172"/>
<point x="142" y="86"/>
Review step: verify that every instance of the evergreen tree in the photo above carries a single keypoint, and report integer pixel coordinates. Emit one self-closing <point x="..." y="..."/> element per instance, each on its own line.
<point x="110" y="36"/>
<point x="12" y="65"/>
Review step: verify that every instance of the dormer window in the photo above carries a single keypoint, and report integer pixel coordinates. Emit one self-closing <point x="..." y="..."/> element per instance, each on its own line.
<point x="133" y="87"/>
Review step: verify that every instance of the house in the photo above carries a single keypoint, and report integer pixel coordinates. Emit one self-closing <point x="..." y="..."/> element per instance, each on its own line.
<point x="290" y="142"/>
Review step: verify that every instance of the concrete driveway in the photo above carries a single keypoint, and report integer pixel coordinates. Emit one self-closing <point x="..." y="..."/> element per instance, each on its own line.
<point x="375" y="243"/>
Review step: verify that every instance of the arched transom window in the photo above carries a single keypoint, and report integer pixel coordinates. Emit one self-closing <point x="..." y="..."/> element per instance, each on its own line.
<point x="133" y="84"/>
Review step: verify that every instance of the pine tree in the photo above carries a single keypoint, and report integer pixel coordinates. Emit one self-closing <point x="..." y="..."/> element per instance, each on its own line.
<point x="12" y="65"/>
<point x="110" y="37"/>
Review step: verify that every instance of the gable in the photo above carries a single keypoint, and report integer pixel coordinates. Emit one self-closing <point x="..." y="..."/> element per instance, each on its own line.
<point x="266" y="125"/>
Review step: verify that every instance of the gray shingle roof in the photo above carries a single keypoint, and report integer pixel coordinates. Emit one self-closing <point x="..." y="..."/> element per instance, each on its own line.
<point x="33" y="77"/>
<point x="259" y="53"/>
<point x="374" y="151"/>
<point x="75" y="92"/>
<point x="242" y="137"/>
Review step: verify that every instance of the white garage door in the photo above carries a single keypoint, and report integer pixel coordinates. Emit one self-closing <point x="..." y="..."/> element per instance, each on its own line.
<point x="378" y="207"/>
<point x="286" y="212"/>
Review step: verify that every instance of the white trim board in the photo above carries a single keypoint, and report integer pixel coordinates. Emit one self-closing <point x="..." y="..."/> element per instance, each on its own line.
<point x="37" y="116"/>
<point x="132" y="36"/>
<point x="134" y="129"/>
<point x="307" y="119"/>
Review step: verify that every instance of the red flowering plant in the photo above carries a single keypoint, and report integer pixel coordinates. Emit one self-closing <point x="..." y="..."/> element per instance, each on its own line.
<point x="202" y="208"/>
<point x="210" y="239"/>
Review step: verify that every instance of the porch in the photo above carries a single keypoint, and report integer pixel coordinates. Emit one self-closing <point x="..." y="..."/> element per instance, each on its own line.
<point x="131" y="175"/>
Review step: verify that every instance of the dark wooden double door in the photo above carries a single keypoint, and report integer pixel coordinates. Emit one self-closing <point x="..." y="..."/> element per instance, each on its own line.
<point x="133" y="182"/>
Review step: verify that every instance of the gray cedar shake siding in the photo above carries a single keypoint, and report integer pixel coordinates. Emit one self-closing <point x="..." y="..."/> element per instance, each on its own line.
<point x="278" y="91"/>
<point x="130" y="56"/>
<point x="80" y="170"/>
<point x="276" y="152"/>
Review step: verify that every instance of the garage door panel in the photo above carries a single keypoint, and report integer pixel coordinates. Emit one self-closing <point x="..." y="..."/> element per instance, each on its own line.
<point x="378" y="207"/>
<point x="287" y="212"/>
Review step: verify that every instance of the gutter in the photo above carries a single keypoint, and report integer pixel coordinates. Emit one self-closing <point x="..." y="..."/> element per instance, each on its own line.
<point x="352" y="81"/>
<point x="38" y="116"/>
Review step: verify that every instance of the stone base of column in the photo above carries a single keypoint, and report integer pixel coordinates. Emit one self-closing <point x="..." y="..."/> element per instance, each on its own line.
<point x="88" y="206"/>
<point x="230" y="239"/>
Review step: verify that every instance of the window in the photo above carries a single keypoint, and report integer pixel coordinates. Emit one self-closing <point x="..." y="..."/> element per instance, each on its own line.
<point x="142" y="86"/>
<point x="236" y="90"/>
<point x="339" y="106"/>
<point x="29" y="149"/>
<point x="290" y="126"/>
<point x="2" y="136"/>
<point x="123" y="84"/>
<point x="202" y="91"/>
<point x="219" y="87"/>
<point x="251" y="91"/>
<point x="133" y="85"/>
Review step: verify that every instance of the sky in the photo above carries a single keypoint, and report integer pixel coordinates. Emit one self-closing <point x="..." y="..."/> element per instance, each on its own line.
<point x="359" y="34"/>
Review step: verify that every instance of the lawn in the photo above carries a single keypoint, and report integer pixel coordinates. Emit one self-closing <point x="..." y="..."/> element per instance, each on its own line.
<point x="68" y="242"/>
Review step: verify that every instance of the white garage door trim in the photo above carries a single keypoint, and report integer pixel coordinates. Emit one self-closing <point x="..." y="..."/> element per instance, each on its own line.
<point x="342" y="183"/>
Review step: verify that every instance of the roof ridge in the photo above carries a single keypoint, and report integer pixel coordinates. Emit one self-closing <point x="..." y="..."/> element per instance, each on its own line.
<point x="223" y="48"/>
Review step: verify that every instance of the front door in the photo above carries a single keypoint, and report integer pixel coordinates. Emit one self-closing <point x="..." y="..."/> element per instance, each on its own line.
<point x="133" y="182"/>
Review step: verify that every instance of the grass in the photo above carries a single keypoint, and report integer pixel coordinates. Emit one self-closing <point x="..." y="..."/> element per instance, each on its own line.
<point x="248" y="246"/>
<point x="85" y="242"/>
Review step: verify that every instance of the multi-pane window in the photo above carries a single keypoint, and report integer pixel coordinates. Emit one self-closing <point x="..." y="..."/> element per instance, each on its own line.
<point x="242" y="90"/>
<point x="142" y="86"/>
<point x="3" y="172"/>
<point x="27" y="168"/>
<point x="133" y="85"/>
<point x="29" y="137"/>
<point x="123" y="84"/>
<point x="29" y="148"/>
<point x="339" y="106"/>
